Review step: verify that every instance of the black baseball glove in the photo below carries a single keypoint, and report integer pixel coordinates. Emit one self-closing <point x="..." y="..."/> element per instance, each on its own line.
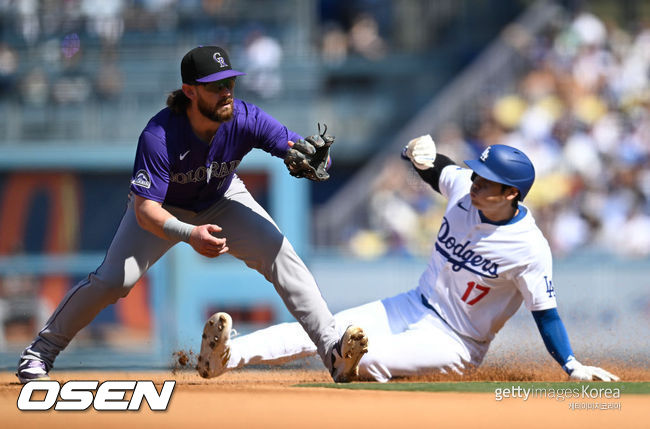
<point x="308" y="158"/>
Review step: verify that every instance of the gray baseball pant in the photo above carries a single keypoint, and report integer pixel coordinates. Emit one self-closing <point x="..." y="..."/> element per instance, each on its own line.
<point x="252" y="237"/>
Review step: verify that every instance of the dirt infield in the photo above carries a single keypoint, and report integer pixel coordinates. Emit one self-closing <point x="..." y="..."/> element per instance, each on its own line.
<point x="269" y="399"/>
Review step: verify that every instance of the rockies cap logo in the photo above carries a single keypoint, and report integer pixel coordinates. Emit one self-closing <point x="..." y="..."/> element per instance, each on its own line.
<point x="218" y="58"/>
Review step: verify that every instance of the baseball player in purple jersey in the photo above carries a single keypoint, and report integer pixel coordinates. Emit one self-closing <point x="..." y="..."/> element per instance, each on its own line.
<point x="488" y="258"/>
<point x="184" y="188"/>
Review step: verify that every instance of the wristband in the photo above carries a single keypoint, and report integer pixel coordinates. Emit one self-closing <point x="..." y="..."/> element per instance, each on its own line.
<point x="177" y="230"/>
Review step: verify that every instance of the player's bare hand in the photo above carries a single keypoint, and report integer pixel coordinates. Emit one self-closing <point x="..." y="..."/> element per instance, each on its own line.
<point x="205" y="243"/>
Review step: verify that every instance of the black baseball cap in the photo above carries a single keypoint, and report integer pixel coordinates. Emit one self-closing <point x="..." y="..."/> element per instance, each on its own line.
<point x="206" y="64"/>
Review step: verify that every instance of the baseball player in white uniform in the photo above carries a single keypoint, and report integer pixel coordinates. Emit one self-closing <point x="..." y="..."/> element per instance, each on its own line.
<point x="488" y="258"/>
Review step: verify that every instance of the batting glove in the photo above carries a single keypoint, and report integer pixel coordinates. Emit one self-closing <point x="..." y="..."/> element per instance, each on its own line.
<point x="421" y="151"/>
<point x="580" y="372"/>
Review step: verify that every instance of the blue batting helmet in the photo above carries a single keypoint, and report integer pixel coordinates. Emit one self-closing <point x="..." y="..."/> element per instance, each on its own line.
<point x="507" y="165"/>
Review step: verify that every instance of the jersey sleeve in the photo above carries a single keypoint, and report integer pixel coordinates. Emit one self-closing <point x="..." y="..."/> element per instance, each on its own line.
<point x="151" y="168"/>
<point x="271" y="136"/>
<point x="535" y="281"/>
<point x="454" y="182"/>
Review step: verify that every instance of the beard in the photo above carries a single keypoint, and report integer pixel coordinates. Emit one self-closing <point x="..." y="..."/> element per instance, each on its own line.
<point x="216" y="112"/>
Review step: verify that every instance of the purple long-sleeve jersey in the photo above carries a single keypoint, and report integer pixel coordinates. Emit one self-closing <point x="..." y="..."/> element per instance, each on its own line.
<point x="173" y="166"/>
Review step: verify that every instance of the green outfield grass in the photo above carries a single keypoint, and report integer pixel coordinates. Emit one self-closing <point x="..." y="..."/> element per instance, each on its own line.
<point x="626" y="388"/>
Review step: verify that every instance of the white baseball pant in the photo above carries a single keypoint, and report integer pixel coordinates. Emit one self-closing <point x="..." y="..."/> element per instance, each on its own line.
<point x="405" y="338"/>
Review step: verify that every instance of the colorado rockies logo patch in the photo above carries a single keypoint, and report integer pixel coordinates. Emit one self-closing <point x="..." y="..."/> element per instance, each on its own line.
<point x="142" y="179"/>
<point x="218" y="58"/>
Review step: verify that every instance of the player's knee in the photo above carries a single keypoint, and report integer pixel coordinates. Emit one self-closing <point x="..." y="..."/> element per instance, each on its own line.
<point x="271" y="243"/>
<point x="111" y="288"/>
<point x="270" y="258"/>
<point x="267" y="247"/>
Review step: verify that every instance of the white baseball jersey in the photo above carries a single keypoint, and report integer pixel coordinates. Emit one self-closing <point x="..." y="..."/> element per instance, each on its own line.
<point x="479" y="273"/>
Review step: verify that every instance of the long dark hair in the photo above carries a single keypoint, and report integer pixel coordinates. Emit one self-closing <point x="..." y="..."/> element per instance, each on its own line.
<point x="178" y="102"/>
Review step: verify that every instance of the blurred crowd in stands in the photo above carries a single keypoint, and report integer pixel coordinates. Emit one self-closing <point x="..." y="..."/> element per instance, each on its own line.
<point x="54" y="35"/>
<point x="582" y="114"/>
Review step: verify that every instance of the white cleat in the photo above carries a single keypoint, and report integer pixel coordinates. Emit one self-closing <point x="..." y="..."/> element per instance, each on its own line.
<point x="215" y="346"/>
<point x="347" y="353"/>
